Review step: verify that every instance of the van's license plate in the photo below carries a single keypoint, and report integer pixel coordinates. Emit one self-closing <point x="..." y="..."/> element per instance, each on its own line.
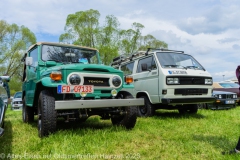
<point x="229" y="102"/>
<point x="75" y="88"/>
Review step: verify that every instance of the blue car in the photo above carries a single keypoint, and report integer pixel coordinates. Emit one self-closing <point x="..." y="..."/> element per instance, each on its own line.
<point x="3" y="95"/>
<point x="223" y="100"/>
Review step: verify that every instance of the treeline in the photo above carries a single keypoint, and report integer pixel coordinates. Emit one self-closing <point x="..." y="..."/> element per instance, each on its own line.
<point x="82" y="28"/>
<point x="14" y="41"/>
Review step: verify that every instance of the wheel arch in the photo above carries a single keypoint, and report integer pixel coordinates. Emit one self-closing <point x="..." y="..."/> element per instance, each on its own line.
<point x="39" y="88"/>
<point x="139" y="94"/>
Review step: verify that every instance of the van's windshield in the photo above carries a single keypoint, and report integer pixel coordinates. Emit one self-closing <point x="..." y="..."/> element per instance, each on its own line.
<point x="69" y="55"/>
<point x="177" y="60"/>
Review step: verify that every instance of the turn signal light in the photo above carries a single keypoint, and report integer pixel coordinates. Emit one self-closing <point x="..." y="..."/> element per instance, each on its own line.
<point x="129" y="79"/>
<point x="56" y="76"/>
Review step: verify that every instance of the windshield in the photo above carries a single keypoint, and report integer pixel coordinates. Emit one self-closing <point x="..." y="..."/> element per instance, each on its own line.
<point x="18" y="95"/>
<point x="229" y="85"/>
<point x="177" y="60"/>
<point x="69" y="55"/>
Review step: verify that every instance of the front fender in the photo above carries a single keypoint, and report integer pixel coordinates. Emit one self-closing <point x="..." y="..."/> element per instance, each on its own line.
<point x="128" y="86"/>
<point x="48" y="82"/>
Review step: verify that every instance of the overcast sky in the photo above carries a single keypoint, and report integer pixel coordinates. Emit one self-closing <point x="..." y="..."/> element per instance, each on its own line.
<point x="209" y="30"/>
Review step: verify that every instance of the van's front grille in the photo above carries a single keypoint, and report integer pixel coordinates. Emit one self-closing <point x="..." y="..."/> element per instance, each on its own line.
<point x="191" y="80"/>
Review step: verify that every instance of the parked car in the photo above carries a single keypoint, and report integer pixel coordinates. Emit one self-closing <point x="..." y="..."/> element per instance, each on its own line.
<point x="166" y="79"/>
<point x="223" y="100"/>
<point x="16" y="103"/>
<point x="70" y="82"/>
<point x="227" y="86"/>
<point x="5" y="99"/>
<point x="3" y="108"/>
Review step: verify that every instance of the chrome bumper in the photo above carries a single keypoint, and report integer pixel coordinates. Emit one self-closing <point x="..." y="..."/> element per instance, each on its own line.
<point x="103" y="103"/>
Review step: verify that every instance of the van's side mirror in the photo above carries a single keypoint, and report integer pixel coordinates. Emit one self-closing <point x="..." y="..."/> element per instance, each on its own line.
<point x="29" y="61"/>
<point x="144" y="67"/>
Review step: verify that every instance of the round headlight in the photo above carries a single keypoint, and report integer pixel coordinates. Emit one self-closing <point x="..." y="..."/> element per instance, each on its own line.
<point x="116" y="81"/>
<point x="75" y="79"/>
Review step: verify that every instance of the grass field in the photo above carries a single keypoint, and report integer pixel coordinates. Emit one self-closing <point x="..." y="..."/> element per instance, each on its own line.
<point x="168" y="135"/>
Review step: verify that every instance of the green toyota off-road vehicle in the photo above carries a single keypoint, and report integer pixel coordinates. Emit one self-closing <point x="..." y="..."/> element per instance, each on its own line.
<point x="69" y="81"/>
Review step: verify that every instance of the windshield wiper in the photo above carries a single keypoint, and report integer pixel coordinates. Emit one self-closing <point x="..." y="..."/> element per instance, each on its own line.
<point x="193" y="67"/>
<point x="174" y="66"/>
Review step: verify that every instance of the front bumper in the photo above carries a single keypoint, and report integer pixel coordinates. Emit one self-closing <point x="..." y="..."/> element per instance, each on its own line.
<point x="17" y="107"/>
<point x="188" y="100"/>
<point x="103" y="103"/>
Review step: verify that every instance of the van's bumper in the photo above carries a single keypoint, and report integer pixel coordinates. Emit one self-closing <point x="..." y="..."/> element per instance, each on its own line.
<point x="188" y="100"/>
<point x="103" y="103"/>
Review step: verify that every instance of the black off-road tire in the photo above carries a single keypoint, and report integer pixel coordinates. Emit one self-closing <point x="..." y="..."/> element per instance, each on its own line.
<point x="147" y="110"/>
<point x="193" y="108"/>
<point x="190" y="108"/>
<point x="129" y="120"/>
<point x="27" y="112"/>
<point x="47" y="115"/>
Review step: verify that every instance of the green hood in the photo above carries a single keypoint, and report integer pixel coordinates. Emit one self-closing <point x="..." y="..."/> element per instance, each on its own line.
<point x="83" y="68"/>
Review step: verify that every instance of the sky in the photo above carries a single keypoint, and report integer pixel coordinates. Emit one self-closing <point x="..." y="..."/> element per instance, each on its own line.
<point x="209" y="30"/>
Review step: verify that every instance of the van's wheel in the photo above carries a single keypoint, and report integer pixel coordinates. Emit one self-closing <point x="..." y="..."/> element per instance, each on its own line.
<point x="147" y="110"/>
<point x="47" y="115"/>
<point x="127" y="120"/>
<point x="27" y="112"/>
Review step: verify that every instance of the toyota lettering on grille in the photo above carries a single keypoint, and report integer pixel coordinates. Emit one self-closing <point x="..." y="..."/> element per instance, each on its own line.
<point x="95" y="81"/>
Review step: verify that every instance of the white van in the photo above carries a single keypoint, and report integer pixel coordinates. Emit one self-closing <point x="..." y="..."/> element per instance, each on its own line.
<point x="167" y="79"/>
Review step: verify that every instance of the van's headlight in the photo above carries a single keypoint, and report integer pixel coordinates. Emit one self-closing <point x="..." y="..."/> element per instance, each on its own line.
<point x="208" y="81"/>
<point x="172" y="80"/>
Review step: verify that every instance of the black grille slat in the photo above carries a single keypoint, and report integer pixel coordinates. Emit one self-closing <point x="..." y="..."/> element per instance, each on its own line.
<point x="191" y="80"/>
<point x="103" y="82"/>
<point x="191" y="91"/>
<point x="227" y="96"/>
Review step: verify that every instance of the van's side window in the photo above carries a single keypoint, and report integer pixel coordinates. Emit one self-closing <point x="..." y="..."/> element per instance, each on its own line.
<point x="146" y="64"/>
<point x="127" y="68"/>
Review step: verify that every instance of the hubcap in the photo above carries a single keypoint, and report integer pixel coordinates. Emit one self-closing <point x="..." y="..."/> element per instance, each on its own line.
<point x="143" y="109"/>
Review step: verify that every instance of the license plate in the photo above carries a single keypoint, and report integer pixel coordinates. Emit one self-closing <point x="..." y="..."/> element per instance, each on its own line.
<point x="75" y="88"/>
<point x="229" y="102"/>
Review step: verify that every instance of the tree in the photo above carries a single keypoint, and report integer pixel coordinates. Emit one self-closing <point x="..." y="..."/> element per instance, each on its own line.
<point x="108" y="39"/>
<point x="14" y="41"/>
<point x="82" y="28"/>
<point x="150" y="41"/>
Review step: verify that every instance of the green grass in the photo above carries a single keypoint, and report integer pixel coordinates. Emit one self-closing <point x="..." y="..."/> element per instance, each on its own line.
<point x="168" y="135"/>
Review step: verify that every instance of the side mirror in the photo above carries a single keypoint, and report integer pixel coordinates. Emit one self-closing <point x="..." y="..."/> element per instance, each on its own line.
<point x="29" y="61"/>
<point x="5" y="78"/>
<point x="144" y="67"/>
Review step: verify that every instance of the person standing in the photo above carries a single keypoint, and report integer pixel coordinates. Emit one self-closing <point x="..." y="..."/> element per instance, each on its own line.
<point x="237" y="148"/>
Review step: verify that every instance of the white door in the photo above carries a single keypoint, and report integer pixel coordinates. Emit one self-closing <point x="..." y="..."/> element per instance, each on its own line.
<point x="146" y="78"/>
